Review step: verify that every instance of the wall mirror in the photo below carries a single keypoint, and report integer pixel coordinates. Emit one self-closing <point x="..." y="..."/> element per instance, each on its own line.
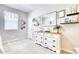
<point x="49" y="19"/>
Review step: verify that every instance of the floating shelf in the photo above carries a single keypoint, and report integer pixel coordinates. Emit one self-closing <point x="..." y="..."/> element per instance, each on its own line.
<point x="48" y="25"/>
<point x="70" y="23"/>
<point x="72" y="14"/>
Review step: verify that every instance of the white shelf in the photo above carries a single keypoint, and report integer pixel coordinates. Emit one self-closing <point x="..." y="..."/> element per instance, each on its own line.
<point x="47" y="25"/>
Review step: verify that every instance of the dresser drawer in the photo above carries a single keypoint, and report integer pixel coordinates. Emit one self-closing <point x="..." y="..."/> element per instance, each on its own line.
<point x="55" y="47"/>
<point x="41" y="40"/>
<point x="40" y="33"/>
<point x="34" y="34"/>
<point x="56" y="36"/>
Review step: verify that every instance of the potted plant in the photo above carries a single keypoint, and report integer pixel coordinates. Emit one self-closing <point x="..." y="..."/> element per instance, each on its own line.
<point x="57" y="27"/>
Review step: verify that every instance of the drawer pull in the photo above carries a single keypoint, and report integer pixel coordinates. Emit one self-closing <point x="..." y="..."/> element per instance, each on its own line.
<point x="50" y="22"/>
<point x="53" y="46"/>
<point x="54" y="41"/>
<point x="54" y="51"/>
<point x="45" y="43"/>
<point x="41" y="37"/>
<point x="41" y="42"/>
<point x="45" y="38"/>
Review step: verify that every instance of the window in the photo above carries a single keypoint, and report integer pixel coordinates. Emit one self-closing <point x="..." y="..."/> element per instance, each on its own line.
<point x="11" y="21"/>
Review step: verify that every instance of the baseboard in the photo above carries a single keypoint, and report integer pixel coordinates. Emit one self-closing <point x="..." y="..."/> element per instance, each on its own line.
<point x="68" y="51"/>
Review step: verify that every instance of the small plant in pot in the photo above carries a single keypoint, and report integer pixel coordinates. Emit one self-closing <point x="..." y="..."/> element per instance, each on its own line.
<point x="57" y="27"/>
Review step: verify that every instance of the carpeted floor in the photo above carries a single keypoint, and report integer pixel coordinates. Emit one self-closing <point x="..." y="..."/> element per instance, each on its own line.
<point x="25" y="46"/>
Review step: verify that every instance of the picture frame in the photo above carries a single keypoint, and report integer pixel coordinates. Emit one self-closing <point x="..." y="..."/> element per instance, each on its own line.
<point x="49" y="19"/>
<point x="61" y="14"/>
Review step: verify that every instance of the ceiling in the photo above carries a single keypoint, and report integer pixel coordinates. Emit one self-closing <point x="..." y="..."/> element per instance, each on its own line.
<point x="31" y="7"/>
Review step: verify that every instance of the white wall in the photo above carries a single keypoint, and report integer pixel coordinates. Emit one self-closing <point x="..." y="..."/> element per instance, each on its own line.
<point x="42" y="11"/>
<point x="70" y="32"/>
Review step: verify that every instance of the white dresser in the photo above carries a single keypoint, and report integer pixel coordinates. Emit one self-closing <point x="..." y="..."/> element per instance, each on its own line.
<point x="49" y="40"/>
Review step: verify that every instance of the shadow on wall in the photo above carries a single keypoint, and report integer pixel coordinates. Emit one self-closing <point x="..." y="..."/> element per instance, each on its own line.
<point x="70" y="36"/>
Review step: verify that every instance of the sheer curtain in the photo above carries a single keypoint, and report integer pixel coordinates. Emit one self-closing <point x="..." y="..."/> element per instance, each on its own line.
<point x="11" y="21"/>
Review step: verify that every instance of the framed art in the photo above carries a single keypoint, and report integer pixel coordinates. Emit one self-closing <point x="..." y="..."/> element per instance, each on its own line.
<point x="61" y="14"/>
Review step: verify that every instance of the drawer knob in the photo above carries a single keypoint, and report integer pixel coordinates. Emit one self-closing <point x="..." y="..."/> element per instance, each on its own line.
<point x="54" y="41"/>
<point x="41" y="42"/>
<point x="50" y="22"/>
<point x="45" y="38"/>
<point x="54" y="51"/>
<point x="45" y="43"/>
<point x="53" y="45"/>
<point x="41" y="37"/>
